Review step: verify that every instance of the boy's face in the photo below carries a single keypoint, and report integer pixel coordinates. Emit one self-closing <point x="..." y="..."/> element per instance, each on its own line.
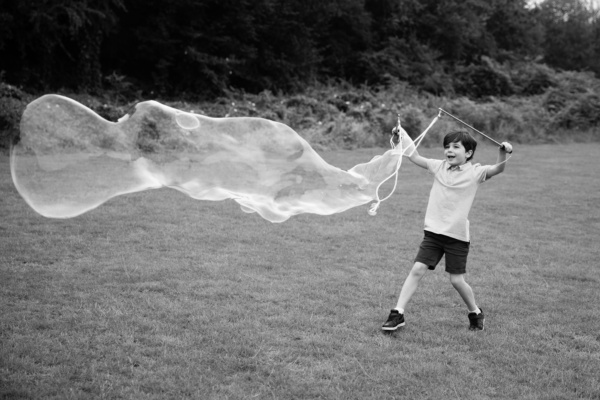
<point x="456" y="154"/>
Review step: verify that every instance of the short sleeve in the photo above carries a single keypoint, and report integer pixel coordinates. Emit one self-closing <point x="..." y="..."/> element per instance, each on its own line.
<point x="434" y="165"/>
<point x="480" y="172"/>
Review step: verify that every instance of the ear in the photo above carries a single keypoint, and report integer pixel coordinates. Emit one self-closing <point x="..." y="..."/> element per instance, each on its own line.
<point x="469" y="154"/>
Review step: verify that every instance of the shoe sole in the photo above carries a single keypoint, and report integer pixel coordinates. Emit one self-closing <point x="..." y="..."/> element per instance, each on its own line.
<point x="392" y="329"/>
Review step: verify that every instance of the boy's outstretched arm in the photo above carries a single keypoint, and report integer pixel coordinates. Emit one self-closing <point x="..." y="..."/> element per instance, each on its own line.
<point x="410" y="149"/>
<point x="417" y="159"/>
<point x="500" y="164"/>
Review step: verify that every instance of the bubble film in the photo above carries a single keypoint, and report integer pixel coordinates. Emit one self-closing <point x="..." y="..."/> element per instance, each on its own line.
<point x="70" y="160"/>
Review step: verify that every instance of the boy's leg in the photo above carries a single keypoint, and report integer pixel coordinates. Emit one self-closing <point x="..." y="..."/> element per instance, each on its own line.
<point x="430" y="253"/>
<point x="465" y="291"/>
<point x="396" y="317"/>
<point x="411" y="283"/>
<point x="476" y="317"/>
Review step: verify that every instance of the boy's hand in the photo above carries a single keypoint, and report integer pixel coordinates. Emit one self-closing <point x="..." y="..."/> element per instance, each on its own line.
<point x="400" y="135"/>
<point x="398" y="132"/>
<point x="506" y="147"/>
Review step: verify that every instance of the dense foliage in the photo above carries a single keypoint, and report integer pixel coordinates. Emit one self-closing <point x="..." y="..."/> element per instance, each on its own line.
<point x="201" y="48"/>
<point x="338" y="115"/>
<point x="337" y="71"/>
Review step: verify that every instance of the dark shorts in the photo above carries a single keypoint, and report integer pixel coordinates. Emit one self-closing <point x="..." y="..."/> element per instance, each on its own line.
<point x="434" y="246"/>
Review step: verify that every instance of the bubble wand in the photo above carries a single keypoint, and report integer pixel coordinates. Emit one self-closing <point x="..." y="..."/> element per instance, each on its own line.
<point x="469" y="126"/>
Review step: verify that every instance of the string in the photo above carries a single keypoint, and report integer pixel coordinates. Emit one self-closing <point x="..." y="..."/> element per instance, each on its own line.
<point x="373" y="210"/>
<point x="502" y="162"/>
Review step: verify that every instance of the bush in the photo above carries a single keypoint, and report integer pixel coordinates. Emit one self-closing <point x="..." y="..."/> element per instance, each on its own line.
<point x="485" y="79"/>
<point x="338" y="115"/>
<point x="532" y="79"/>
<point x="12" y="104"/>
<point x="583" y="113"/>
<point x="574" y="104"/>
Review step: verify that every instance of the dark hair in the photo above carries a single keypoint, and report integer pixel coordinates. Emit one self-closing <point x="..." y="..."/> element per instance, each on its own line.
<point x="461" y="136"/>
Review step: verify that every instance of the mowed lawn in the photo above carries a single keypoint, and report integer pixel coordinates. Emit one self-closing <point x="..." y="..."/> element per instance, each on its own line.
<point x="157" y="296"/>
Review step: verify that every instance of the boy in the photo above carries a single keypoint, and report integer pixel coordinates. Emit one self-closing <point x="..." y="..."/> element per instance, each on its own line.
<point x="446" y="225"/>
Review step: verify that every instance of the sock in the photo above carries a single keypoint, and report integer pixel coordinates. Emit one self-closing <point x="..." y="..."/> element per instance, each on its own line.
<point x="400" y="310"/>
<point x="477" y="311"/>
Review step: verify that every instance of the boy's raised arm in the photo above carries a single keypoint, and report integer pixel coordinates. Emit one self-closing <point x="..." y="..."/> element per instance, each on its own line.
<point x="500" y="164"/>
<point x="417" y="159"/>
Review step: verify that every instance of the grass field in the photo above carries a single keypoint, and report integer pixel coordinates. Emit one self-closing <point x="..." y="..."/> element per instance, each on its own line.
<point x="158" y="296"/>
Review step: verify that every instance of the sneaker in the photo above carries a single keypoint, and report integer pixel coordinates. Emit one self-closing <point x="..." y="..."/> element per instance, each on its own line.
<point x="395" y="321"/>
<point x="476" y="321"/>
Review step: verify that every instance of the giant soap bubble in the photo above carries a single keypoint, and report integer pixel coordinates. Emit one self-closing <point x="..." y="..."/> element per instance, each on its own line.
<point x="70" y="160"/>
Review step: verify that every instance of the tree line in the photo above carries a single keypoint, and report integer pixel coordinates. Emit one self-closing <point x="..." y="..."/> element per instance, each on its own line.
<point x="201" y="48"/>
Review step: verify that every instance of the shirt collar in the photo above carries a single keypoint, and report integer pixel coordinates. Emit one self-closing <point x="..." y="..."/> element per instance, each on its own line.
<point x="461" y="167"/>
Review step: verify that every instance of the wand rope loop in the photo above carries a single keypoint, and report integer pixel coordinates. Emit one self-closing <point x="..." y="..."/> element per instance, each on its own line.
<point x="373" y="210"/>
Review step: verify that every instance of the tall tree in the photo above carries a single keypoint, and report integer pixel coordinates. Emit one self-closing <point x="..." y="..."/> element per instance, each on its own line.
<point x="185" y="46"/>
<point x="570" y="35"/>
<point x="457" y="29"/>
<point x="57" y="41"/>
<point x="342" y="35"/>
<point x="515" y="29"/>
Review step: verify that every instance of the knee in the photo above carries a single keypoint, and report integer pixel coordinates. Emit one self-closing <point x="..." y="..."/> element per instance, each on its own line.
<point x="457" y="279"/>
<point x="419" y="269"/>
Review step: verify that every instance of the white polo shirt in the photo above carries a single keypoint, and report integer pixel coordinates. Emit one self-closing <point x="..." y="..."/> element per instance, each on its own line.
<point x="451" y="197"/>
